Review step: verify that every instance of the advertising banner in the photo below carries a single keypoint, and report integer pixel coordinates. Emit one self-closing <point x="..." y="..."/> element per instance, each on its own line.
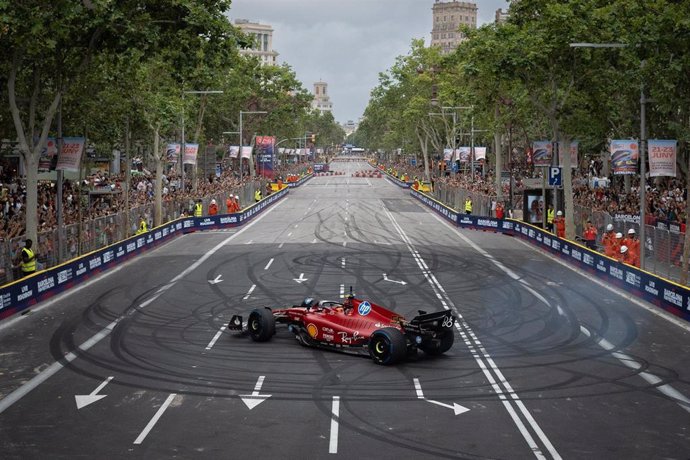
<point x="70" y="155"/>
<point x="480" y="153"/>
<point x="233" y="151"/>
<point x="574" y="147"/>
<point x="624" y="156"/>
<point x="448" y="154"/>
<point x="246" y="151"/>
<point x="464" y="154"/>
<point x="172" y="153"/>
<point x="662" y="158"/>
<point x="542" y="153"/>
<point x="48" y="152"/>
<point x="264" y="155"/>
<point x="190" y="153"/>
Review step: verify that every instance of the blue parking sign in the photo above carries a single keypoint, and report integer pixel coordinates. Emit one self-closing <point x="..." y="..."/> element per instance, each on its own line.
<point x="555" y="176"/>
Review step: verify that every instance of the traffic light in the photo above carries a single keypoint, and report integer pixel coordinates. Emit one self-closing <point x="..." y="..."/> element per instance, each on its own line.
<point x="313" y="138"/>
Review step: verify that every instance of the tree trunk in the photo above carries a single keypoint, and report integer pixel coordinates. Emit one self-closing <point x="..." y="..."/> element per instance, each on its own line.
<point x="157" y="189"/>
<point x="567" y="176"/>
<point x="498" y="149"/>
<point x="252" y="169"/>
<point x="424" y="146"/>
<point x="686" y="243"/>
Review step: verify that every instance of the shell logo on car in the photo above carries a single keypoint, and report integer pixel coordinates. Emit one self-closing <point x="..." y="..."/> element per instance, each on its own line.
<point x="312" y="330"/>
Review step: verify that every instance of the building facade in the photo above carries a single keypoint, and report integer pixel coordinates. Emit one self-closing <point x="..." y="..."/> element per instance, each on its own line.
<point x="263" y="41"/>
<point x="501" y="16"/>
<point x="448" y="16"/>
<point x="349" y="127"/>
<point x="322" y="101"/>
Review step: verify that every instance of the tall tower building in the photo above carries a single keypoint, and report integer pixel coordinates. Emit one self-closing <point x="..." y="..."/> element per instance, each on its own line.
<point x="263" y="41"/>
<point x="448" y="15"/>
<point x="501" y="16"/>
<point x="322" y="100"/>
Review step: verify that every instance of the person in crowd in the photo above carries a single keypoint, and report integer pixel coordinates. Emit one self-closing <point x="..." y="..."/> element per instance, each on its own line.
<point x="27" y="259"/>
<point x="198" y="209"/>
<point x="230" y="204"/>
<point x="468" y="205"/>
<point x="550" y="215"/>
<point x="238" y="206"/>
<point x="143" y="227"/>
<point x="213" y="208"/>
<point x="608" y="241"/>
<point x="633" y="245"/>
<point x="617" y="243"/>
<point x="499" y="210"/>
<point x="590" y="235"/>
<point x="257" y="195"/>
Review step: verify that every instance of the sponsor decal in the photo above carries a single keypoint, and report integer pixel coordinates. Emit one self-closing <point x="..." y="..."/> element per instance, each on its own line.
<point x="141" y="242"/>
<point x="556" y="245"/>
<point x="64" y="275"/>
<point x="166" y="231"/>
<point x="157" y="236"/>
<point x="81" y="269"/>
<point x="673" y="297"/>
<point x="188" y="223"/>
<point x="327" y="337"/>
<point x="487" y="223"/>
<point x="632" y="279"/>
<point x="327" y="330"/>
<point x="25" y="294"/>
<point x="547" y="240"/>
<point x="577" y="255"/>
<point x="120" y="251"/>
<point x="651" y="288"/>
<point x="44" y="285"/>
<point x="5" y="300"/>
<point x="312" y="330"/>
<point x="108" y="256"/>
<point x="601" y="266"/>
<point x="466" y="220"/>
<point x="616" y="272"/>
<point x="228" y="220"/>
<point x="131" y="246"/>
<point x="206" y="222"/>
<point x="364" y="308"/>
<point x="94" y="263"/>
<point x="588" y="259"/>
<point x="347" y="338"/>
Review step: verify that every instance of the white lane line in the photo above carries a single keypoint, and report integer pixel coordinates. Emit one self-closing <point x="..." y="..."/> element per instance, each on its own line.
<point x="154" y="420"/>
<point x="289" y="234"/>
<point x="249" y="242"/>
<point x="500" y="384"/>
<point x="268" y="264"/>
<point x="344" y="243"/>
<point x="418" y="389"/>
<point x="333" y="445"/>
<point x="281" y="245"/>
<point x="342" y="263"/>
<point x="215" y="338"/>
<point x="650" y="378"/>
<point x="342" y="291"/>
<point x="296" y="225"/>
<point x="51" y="370"/>
<point x="251" y="289"/>
<point x="313" y="241"/>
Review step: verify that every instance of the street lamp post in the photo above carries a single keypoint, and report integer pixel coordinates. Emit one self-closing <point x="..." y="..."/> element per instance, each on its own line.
<point x="183" y="146"/>
<point x="242" y="140"/>
<point x="643" y="146"/>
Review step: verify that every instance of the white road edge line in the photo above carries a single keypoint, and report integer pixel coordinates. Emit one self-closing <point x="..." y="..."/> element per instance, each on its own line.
<point x="215" y="338"/>
<point x="268" y="264"/>
<point x="154" y="420"/>
<point x="333" y="444"/>
<point x="507" y="396"/>
<point x="51" y="370"/>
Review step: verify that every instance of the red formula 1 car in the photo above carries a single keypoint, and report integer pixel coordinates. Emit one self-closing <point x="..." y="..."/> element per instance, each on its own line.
<point x="354" y="326"/>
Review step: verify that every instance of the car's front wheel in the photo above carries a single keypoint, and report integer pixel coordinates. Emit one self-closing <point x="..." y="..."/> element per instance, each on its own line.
<point x="387" y="346"/>
<point x="261" y="325"/>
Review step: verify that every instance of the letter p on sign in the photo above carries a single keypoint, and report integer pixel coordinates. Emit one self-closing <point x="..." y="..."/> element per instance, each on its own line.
<point x="555" y="177"/>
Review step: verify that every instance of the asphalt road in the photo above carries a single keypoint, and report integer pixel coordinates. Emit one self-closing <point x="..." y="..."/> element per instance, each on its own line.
<point x="547" y="363"/>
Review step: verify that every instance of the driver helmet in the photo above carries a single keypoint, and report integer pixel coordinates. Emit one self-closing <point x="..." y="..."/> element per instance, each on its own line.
<point x="308" y="302"/>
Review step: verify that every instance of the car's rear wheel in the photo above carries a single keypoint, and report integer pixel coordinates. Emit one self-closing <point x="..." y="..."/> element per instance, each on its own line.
<point x="387" y="346"/>
<point x="261" y="325"/>
<point x="441" y="345"/>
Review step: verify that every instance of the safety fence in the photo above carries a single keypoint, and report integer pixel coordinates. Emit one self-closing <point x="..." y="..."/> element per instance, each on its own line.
<point x="99" y="232"/>
<point x="21" y="294"/>
<point x="659" y="291"/>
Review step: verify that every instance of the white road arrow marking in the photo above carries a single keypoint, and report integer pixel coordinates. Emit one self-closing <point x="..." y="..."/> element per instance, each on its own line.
<point x="85" y="400"/>
<point x="301" y="278"/>
<point x="215" y="281"/>
<point x="457" y="408"/>
<point x="251" y="289"/>
<point x="385" y="278"/>
<point x="255" y="398"/>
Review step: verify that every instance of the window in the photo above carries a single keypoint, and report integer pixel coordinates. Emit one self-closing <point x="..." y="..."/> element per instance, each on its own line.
<point x="443" y="35"/>
<point x="265" y="42"/>
<point x="324" y="90"/>
<point x="317" y="90"/>
<point x="451" y="35"/>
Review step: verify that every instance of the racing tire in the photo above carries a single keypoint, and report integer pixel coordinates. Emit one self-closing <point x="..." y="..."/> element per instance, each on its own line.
<point x="261" y="325"/>
<point x="444" y="343"/>
<point x="387" y="346"/>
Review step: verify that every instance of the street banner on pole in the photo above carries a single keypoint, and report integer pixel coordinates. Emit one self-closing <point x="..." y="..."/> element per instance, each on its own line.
<point x="233" y="151"/>
<point x="447" y="155"/>
<point x="574" y="147"/>
<point x="624" y="156"/>
<point x="463" y="154"/>
<point x="264" y="155"/>
<point x="480" y="153"/>
<point x="246" y="151"/>
<point x="542" y="153"/>
<point x="172" y="153"/>
<point x="48" y="152"/>
<point x="70" y="155"/>
<point x="662" y="158"/>
<point x="190" y="153"/>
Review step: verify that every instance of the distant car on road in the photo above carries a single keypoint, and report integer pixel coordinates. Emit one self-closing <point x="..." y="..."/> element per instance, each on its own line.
<point x="354" y="326"/>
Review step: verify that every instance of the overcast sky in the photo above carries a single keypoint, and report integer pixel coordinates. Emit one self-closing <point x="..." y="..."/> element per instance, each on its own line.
<point x="346" y="43"/>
